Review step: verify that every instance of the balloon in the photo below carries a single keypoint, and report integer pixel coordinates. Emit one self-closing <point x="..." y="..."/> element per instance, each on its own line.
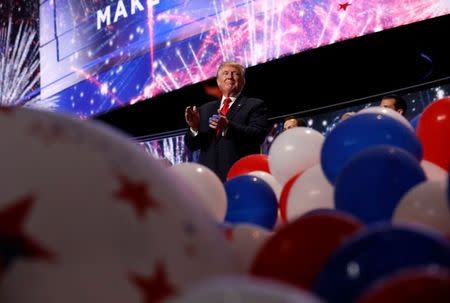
<point x="374" y="254"/>
<point x="386" y="112"/>
<point x="276" y="187"/>
<point x="296" y="253"/>
<point x="360" y="132"/>
<point x="246" y="240"/>
<point x="433" y="131"/>
<point x="208" y="186"/>
<point x="250" y="200"/>
<point x="248" y="164"/>
<point x="285" y="194"/>
<point x="432" y="171"/>
<point x="87" y="216"/>
<point x="310" y="191"/>
<point x="273" y="183"/>
<point x="425" y="204"/>
<point x="373" y="182"/>
<point x="244" y="290"/>
<point x="294" y="151"/>
<point x="413" y="285"/>
<point x="415" y="121"/>
<point x="448" y="189"/>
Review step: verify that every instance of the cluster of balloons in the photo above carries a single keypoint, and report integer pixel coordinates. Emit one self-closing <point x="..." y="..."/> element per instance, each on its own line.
<point x="86" y="216"/>
<point x="362" y="215"/>
<point x="336" y="199"/>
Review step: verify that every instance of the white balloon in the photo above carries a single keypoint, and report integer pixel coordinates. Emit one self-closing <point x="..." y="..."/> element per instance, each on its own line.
<point x="100" y="217"/>
<point x="433" y="172"/>
<point x="245" y="290"/>
<point x="279" y="223"/>
<point x="208" y="186"/>
<point x="273" y="183"/>
<point x="425" y="204"/>
<point x="387" y="112"/>
<point x="246" y="240"/>
<point x="294" y="151"/>
<point x="310" y="191"/>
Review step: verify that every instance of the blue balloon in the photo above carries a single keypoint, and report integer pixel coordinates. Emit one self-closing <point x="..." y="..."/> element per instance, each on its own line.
<point x="377" y="253"/>
<point x="415" y="120"/>
<point x="251" y="200"/>
<point x="373" y="182"/>
<point x="360" y="132"/>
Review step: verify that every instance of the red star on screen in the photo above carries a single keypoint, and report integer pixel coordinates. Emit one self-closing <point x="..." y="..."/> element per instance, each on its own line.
<point x="343" y="6"/>
<point x="136" y="194"/>
<point x="13" y="242"/>
<point x="154" y="288"/>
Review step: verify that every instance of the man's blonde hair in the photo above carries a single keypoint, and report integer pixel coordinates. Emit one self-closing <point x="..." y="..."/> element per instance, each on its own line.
<point x="233" y="64"/>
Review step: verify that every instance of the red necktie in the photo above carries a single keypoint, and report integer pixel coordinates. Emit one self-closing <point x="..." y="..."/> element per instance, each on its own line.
<point x="223" y="112"/>
<point x="225" y="107"/>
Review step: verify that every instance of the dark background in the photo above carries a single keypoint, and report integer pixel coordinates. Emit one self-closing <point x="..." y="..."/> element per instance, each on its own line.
<point x="373" y="64"/>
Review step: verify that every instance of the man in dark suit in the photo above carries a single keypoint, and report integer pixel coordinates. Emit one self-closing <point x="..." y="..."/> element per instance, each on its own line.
<point x="228" y="129"/>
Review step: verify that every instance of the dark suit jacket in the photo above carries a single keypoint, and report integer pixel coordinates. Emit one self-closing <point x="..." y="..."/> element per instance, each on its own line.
<point x="247" y="129"/>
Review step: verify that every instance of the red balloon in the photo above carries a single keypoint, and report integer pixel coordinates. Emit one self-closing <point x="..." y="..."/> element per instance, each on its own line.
<point x="411" y="286"/>
<point x="297" y="252"/>
<point x="284" y="196"/>
<point x="433" y="130"/>
<point x="248" y="164"/>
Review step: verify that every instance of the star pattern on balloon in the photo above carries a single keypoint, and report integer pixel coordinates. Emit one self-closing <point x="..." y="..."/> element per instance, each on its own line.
<point x="6" y="109"/>
<point x="135" y="194"/>
<point x="344" y="6"/>
<point x="228" y="232"/>
<point x="189" y="229"/>
<point x="14" y="243"/>
<point x="154" y="288"/>
<point x="189" y="250"/>
<point x="48" y="133"/>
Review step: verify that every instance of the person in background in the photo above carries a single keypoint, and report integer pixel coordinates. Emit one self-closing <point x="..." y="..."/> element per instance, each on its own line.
<point x="230" y="128"/>
<point x="394" y="102"/>
<point x="292" y="121"/>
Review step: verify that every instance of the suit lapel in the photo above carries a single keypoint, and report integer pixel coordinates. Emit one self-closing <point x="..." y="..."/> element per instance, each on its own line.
<point x="237" y="105"/>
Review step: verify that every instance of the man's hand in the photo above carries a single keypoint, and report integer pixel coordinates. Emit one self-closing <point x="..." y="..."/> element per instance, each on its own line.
<point x="213" y="121"/>
<point x="192" y="117"/>
<point x="222" y="123"/>
<point x="218" y="122"/>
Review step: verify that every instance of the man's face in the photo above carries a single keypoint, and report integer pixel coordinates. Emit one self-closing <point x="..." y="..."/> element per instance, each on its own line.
<point x="390" y="103"/>
<point x="230" y="80"/>
<point x="290" y="124"/>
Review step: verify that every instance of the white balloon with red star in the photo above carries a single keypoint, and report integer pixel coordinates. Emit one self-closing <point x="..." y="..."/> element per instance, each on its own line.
<point x="86" y="216"/>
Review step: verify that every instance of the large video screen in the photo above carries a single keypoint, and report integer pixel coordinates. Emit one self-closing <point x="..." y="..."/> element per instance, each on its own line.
<point x="97" y="55"/>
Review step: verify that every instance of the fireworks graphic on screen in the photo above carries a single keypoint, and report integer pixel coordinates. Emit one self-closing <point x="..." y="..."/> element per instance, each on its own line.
<point x="146" y="61"/>
<point x="259" y="31"/>
<point x="19" y="67"/>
